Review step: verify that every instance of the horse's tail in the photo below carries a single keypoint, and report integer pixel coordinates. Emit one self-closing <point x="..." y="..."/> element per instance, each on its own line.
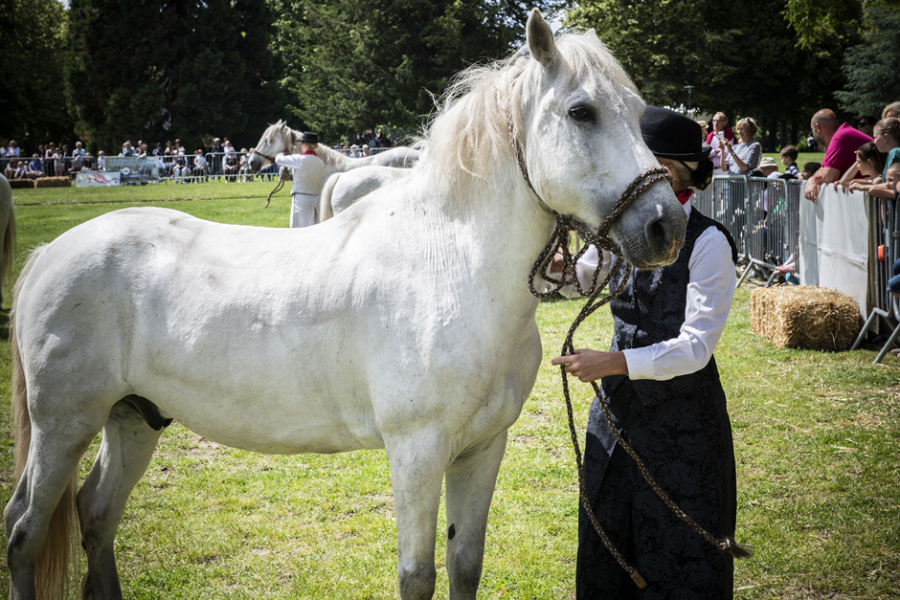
<point x="9" y="246"/>
<point x="326" y="211"/>
<point x="52" y="573"/>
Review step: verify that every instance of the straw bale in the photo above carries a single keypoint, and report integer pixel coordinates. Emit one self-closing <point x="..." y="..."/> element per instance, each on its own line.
<point x="805" y="316"/>
<point x="49" y="182"/>
<point x="21" y="183"/>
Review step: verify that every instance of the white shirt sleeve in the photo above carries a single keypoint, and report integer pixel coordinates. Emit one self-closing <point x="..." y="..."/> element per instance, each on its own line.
<point x="292" y="161"/>
<point x="584" y="269"/>
<point x="710" y="291"/>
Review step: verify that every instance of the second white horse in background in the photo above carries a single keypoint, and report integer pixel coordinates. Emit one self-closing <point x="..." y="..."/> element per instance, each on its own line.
<point x="343" y="190"/>
<point x="281" y="138"/>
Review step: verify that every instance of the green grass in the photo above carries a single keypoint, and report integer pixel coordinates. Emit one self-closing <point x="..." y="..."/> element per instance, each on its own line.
<point x="816" y="435"/>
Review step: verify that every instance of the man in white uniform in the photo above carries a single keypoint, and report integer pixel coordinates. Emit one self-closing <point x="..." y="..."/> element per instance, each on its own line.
<point x="309" y="178"/>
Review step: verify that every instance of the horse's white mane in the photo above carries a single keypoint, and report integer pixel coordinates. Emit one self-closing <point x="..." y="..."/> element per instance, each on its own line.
<point x="480" y="111"/>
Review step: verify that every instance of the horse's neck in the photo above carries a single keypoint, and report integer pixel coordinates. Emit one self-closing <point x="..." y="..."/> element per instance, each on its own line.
<point x="505" y="224"/>
<point x="334" y="161"/>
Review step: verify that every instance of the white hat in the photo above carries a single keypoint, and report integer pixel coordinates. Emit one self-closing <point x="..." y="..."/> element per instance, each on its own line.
<point x="354" y="147"/>
<point x="216" y="140"/>
<point x="767" y="161"/>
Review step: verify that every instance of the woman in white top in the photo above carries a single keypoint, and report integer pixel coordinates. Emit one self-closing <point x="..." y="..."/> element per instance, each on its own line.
<point x="309" y="177"/>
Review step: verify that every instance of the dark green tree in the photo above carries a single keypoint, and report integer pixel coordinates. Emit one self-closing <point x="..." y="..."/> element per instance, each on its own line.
<point x="161" y="69"/>
<point x="353" y="65"/>
<point x="821" y="23"/>
<point x="32" y="103"/>
<point x="740" y="57"/>
<point x="873" y="68"/>
<point x="667" y="46"/>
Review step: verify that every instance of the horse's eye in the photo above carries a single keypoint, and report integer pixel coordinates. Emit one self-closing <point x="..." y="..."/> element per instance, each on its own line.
<point x="581" y="113"/>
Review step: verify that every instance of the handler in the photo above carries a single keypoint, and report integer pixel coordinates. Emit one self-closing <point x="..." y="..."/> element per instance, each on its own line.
<point x="309" y="177"/>
<point x="667" y="401"/>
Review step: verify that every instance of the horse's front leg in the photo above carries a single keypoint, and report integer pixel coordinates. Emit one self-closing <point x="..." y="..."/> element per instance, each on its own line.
<point x="417" y="470"/>
<point x="470" y="486"/>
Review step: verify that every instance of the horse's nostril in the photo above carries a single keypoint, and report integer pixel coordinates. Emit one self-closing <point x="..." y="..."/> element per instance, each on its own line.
<point x="658" y="234"/>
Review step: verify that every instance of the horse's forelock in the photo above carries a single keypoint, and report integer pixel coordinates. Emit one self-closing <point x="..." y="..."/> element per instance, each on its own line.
<point x="480" y="113"/>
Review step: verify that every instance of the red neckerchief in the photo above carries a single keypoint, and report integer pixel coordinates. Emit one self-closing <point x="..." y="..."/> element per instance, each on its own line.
<point x="685" y="195"/>
<point x="313" y="152"/>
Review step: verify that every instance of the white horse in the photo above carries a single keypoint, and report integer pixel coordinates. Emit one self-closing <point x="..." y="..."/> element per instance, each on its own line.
<point x="330" y="338"/>
<point x="7" y="233"/>
<point x="281" y="138"/>
<point x="343" y="190"/>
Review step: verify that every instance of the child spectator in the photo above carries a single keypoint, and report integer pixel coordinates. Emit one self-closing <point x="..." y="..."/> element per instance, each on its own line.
<point x="789" y="160"/>
<point x="809" y="169"/>
<point x="869" y="165"/>
<point x="21" y="172"/>
<point x="887" y="138"/>
<point x="888" y="189"/>
<point x="767" y="168"/>
<point x="57" y="163"/>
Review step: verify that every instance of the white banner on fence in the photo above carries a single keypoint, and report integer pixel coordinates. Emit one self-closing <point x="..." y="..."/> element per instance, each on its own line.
<point x="834" y="243"/>
<point x="134" y="169"/>
<point x="97" y="178"/>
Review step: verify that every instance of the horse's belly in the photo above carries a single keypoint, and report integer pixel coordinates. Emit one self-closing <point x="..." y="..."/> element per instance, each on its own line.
<point x="275" y="425"/>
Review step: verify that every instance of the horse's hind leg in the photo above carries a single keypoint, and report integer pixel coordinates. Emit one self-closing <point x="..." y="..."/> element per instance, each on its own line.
<point x="126" y="450"/>
<point x="470" y="486"/>
<point x="57" y="445"/>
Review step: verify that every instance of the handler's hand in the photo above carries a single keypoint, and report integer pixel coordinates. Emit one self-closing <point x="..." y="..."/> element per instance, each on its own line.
<point x="557" y="265"/>
<point x="591" y="365"/>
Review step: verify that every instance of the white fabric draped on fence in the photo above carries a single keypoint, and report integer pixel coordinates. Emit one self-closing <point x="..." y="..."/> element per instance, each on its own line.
<point x="834" y="234"/>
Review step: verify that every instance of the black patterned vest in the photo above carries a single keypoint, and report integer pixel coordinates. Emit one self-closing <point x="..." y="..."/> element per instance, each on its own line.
<point x="651" y="310"/>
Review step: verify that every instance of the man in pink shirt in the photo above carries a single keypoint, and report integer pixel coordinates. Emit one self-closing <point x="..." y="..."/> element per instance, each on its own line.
<point x="841" y="142"/>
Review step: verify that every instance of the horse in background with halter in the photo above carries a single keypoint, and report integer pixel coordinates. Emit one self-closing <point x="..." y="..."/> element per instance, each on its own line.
<point x="281" y="138"/>
<point x="335" y="337"/>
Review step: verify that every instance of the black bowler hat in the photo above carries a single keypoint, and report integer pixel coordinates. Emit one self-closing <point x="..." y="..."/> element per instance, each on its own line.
<point x="309" y="137"/>
<point x="672" y="135"/>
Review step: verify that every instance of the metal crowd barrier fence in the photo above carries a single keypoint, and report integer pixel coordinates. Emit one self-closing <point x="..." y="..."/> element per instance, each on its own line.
<point x="761" y="214"/>
<point x="763" y="217"/>
<point x="883" y="251"/>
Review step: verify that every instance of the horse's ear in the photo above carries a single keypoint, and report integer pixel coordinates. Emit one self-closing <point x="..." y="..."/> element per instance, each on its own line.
<point x="591" y="35"/>
<point x="540" y="40"/>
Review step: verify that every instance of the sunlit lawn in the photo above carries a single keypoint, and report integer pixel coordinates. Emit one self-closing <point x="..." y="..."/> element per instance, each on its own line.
<point x="817" y="443"/>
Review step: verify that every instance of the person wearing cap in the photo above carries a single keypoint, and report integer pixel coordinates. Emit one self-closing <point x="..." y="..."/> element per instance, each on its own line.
<point x="768" y="167"/>
<point x="354" y="151"/>
<point x="662" y="386"/>
<point x="309" y="177"/>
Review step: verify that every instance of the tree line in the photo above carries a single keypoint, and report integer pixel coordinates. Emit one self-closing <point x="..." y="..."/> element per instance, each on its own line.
<point x="105" y="70"/>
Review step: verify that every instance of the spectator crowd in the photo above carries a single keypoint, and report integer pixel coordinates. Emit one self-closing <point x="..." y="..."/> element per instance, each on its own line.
<point x="855" y="157"/>
<point x="221" y="160"/>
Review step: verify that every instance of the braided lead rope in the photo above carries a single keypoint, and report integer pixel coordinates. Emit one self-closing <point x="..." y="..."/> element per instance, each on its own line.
<point x="278" y="186"/>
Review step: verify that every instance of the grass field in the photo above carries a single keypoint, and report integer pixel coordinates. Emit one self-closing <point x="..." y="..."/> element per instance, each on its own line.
<point x="817" y="442"/>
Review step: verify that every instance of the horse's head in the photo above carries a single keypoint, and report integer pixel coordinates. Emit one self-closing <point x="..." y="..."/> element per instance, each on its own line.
<point x="578" y="126"/>
<point x="276" y="138"/>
